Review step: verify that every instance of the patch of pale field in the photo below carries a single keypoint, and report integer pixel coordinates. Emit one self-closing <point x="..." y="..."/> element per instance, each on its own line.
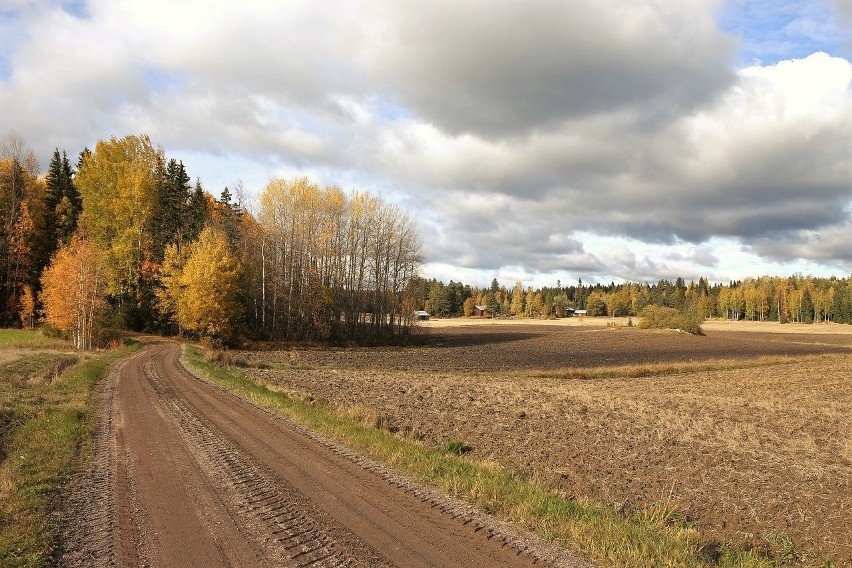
<point x="590" y="322"/>
<point x="9" y="356"/>
<point x="775" y="327"/>
<point x="602" y="322"/>
<point x="741" y="452"/>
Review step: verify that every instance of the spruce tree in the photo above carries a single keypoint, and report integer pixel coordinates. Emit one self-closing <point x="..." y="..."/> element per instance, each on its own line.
<point x="198" y="213"/>
<point x="62" y="208"/>
<point x="807" y="307"/>
<point x="171" y="209"/>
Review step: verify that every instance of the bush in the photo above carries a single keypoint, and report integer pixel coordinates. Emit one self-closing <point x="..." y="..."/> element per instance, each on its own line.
<point x="659" y="317"/>
<point x="456" y="448"/>
<point x="53" y="333"/>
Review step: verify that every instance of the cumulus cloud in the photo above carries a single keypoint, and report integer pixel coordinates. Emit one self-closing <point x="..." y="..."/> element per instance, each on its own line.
<point x="496" y="71"/>
<point x="769" y="158"/>
<point x="514" y="131"/>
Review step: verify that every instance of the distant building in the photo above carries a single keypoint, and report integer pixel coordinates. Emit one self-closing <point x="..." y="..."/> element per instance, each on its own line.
<point x="478" y="311"/>
<point x="420" y="315"/>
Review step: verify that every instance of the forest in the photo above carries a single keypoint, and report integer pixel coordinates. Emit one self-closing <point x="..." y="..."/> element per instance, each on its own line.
<point x="123" y="240"/>
<point x="796" y="298"/>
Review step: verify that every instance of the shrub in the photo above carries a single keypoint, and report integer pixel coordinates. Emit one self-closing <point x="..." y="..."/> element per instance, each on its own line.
<point x="456" y="447"/>
<point x="659" y="317"/>
<point x="53" y="333"/>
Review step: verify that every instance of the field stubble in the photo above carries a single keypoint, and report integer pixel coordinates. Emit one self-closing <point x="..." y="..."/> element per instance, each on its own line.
<point x="748" y="435"/>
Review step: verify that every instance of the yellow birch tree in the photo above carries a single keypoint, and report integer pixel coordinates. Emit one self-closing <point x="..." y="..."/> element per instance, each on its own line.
<point x="202" y="289"/>
<point x="118" y="185"/>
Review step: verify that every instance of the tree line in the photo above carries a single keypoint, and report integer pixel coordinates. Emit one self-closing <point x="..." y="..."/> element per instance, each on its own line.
<point x="124" y="240"/>
<point x="796" y="298"/>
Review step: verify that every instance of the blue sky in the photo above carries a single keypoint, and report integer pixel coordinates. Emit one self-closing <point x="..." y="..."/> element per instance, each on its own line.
<point x="536" y="141"/>
<point x="775" y="30"/>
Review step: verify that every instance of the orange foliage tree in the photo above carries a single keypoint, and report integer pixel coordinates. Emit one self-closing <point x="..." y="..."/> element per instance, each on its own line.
<point x="28" y="308"/>
<point x="74" y="291"/>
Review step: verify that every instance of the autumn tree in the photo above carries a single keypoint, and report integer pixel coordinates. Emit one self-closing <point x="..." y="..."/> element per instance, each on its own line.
<point x="74" y="291"/>
<point x="469" y="304"/>
<point x="596" y="304"/>
<point x="517" y="306"/>
<point x="27" y="311"/>
<point x="19" y="189"/>
<point x="201" y="286"/>
<point x="118" y="185"/>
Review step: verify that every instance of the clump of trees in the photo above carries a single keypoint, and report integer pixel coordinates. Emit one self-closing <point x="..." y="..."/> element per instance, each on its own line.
<point x="661" y="317"/>
<point x="334" y="265"/>
<point x="126" y="239"/>
<point x="201" y="286"/>
<point x="22" y="217"/>
<point x="144" y="249"/>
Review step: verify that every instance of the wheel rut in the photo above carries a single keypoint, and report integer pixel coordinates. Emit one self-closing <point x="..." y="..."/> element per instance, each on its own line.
<point x="259" y="500"/>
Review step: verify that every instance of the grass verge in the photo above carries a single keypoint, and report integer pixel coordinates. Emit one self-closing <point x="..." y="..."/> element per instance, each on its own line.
<point x="657" y="536"/>
<point x="48" y="413"/>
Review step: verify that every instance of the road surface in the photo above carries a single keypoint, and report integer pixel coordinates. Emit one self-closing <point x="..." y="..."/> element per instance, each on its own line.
<point x="184" y="473"/>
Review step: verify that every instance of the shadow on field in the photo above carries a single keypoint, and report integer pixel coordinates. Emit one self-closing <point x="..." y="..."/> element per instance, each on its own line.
<point x="456" y="339"/>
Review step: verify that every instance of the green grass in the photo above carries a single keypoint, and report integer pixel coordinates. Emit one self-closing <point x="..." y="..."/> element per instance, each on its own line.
<point x="30" y="339"/>
<point x="656" y="536"/>
<point x="49" y="406"/>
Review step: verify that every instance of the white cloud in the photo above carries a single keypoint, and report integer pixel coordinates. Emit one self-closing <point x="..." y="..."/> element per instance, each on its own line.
<point x="519" y="133"/>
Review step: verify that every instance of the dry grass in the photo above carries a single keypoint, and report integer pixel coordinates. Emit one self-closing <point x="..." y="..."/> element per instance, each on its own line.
<point x="46" y="411"/>
<point x="603" y="322"/>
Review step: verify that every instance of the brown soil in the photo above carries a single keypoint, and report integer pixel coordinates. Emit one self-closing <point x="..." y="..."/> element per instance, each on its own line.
<point x="186" y="474"/>
<point x="542" y="347"/>
<point x="743" y="452"/>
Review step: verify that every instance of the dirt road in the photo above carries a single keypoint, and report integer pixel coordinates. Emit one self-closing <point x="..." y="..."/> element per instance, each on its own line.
<point x="187" y="474"/>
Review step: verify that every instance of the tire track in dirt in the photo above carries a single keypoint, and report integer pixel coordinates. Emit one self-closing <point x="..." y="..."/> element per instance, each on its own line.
<point x="185" y="473"/>
<point x="273" y="511"/>
<point x="90" y="508"/>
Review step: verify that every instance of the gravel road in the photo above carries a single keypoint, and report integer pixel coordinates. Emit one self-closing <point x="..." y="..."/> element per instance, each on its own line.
<point x="185" y="473"/>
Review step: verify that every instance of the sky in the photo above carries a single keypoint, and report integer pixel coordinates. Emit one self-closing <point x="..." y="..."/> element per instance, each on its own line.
<point x="618" y="140"/>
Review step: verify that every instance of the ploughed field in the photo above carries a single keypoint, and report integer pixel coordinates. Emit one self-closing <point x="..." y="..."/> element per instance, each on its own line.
<point x="747" y="435"/>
